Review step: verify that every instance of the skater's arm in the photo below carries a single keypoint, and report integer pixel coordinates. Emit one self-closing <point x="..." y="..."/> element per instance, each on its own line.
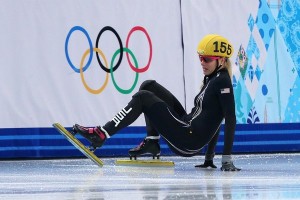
<point x="224" y="91"/>
<point x="226" y="99"/>
<point x="210" y="152"/>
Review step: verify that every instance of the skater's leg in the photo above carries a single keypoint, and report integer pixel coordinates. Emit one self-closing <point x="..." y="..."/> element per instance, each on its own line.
<point x="151" y="142"/>
<point x="151" y="131"/>
<point x="139" y="102"/>
<point x="167" y="122"/>
<point x="166" y="96"/>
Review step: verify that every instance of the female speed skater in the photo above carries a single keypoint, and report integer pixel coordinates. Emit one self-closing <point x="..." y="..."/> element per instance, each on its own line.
<point x="185" y="133"/>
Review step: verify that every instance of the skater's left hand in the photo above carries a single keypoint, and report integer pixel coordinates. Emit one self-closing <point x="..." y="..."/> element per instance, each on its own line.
<point x="229" y="166"/>
<point x="206" y="164"/>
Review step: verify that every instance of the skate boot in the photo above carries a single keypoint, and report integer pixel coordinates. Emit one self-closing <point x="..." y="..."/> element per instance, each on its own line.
<point x="148" y="146"/>
<point x="94" y="135"/>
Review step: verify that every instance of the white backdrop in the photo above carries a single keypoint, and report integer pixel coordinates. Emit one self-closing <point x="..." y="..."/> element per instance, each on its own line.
<point x="38" y="86"/>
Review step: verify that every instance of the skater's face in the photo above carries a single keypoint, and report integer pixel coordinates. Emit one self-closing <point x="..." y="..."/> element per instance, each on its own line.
<point x="209" y="63"/>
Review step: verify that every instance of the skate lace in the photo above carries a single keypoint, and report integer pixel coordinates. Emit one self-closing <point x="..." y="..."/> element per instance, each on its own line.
<point x="141" y="144"/>
<point x="100" y="133"/>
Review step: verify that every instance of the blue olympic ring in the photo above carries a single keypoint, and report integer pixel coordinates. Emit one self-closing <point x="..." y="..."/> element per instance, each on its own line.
<point x="79" y="28"/>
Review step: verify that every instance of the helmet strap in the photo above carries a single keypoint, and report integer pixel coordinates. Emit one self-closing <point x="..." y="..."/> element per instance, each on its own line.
<point x="206" y="78"/>
<point x="217" y="67"/>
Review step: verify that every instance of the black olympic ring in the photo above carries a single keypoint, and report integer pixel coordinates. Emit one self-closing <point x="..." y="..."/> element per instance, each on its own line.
<point x="109" y="28"/>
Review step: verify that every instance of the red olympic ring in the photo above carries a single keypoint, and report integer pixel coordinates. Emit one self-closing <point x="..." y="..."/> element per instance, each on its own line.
<point x="143" y="69"/>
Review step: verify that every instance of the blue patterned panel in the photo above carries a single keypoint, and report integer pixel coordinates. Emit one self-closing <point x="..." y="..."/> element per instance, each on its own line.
<point x="265" y="23"/>
<point x="251" y="23"/>
<point x="289" y="26"/>
<point x="292" y="113"/>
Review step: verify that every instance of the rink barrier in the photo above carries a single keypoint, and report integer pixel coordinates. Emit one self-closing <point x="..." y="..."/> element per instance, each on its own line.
<point x="17" y="143"/>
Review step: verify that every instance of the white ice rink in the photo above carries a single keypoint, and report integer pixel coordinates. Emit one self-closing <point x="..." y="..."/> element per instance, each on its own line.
<point x="265" y="176"/>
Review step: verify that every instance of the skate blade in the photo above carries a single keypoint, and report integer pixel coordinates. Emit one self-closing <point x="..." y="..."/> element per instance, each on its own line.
<point x="76" y="143"/>
<point x="147" y="163"/>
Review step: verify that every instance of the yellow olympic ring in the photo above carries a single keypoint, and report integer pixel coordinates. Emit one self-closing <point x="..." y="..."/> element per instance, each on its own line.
<point x="93" y="91"/>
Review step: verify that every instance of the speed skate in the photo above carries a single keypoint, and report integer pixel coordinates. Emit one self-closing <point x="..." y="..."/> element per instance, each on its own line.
<point x="85" y="150"/>
<point x="149" y="146"/>
<point x="145" y="162"/>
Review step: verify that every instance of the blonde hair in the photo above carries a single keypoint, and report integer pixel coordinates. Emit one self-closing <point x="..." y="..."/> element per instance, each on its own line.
<point x="228" y="66"/>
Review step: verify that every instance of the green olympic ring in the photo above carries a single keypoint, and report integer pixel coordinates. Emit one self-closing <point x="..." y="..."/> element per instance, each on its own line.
<point x="124" y="91"/>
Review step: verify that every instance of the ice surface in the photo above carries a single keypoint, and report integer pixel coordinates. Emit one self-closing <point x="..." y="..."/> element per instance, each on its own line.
<point x="264" y="176"/>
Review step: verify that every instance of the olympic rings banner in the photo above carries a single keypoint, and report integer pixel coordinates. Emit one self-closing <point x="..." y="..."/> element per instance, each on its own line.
<point x="106" y="68"/>
<point x="83" y="64"/>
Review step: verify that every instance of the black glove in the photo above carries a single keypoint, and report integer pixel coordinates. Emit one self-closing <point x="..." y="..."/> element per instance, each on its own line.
<point x="228" y="166"/>
<point x="206" y="164"/>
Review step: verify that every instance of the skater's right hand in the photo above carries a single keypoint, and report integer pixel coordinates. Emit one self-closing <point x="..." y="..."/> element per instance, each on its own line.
<point x="206" y="164"/>
<point x="229" y="166"/>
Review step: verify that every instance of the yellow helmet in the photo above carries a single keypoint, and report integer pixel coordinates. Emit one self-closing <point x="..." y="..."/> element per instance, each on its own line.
<point x="215" y="45"/>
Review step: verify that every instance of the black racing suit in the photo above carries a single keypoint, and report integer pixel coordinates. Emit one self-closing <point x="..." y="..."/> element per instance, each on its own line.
<point x="185" y="134"/>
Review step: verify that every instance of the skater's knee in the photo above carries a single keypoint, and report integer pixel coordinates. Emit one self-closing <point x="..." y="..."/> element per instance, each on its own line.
<point x="143" y="94"/>
<point x="147" y="84"/>
<point x="146" y="97"/>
